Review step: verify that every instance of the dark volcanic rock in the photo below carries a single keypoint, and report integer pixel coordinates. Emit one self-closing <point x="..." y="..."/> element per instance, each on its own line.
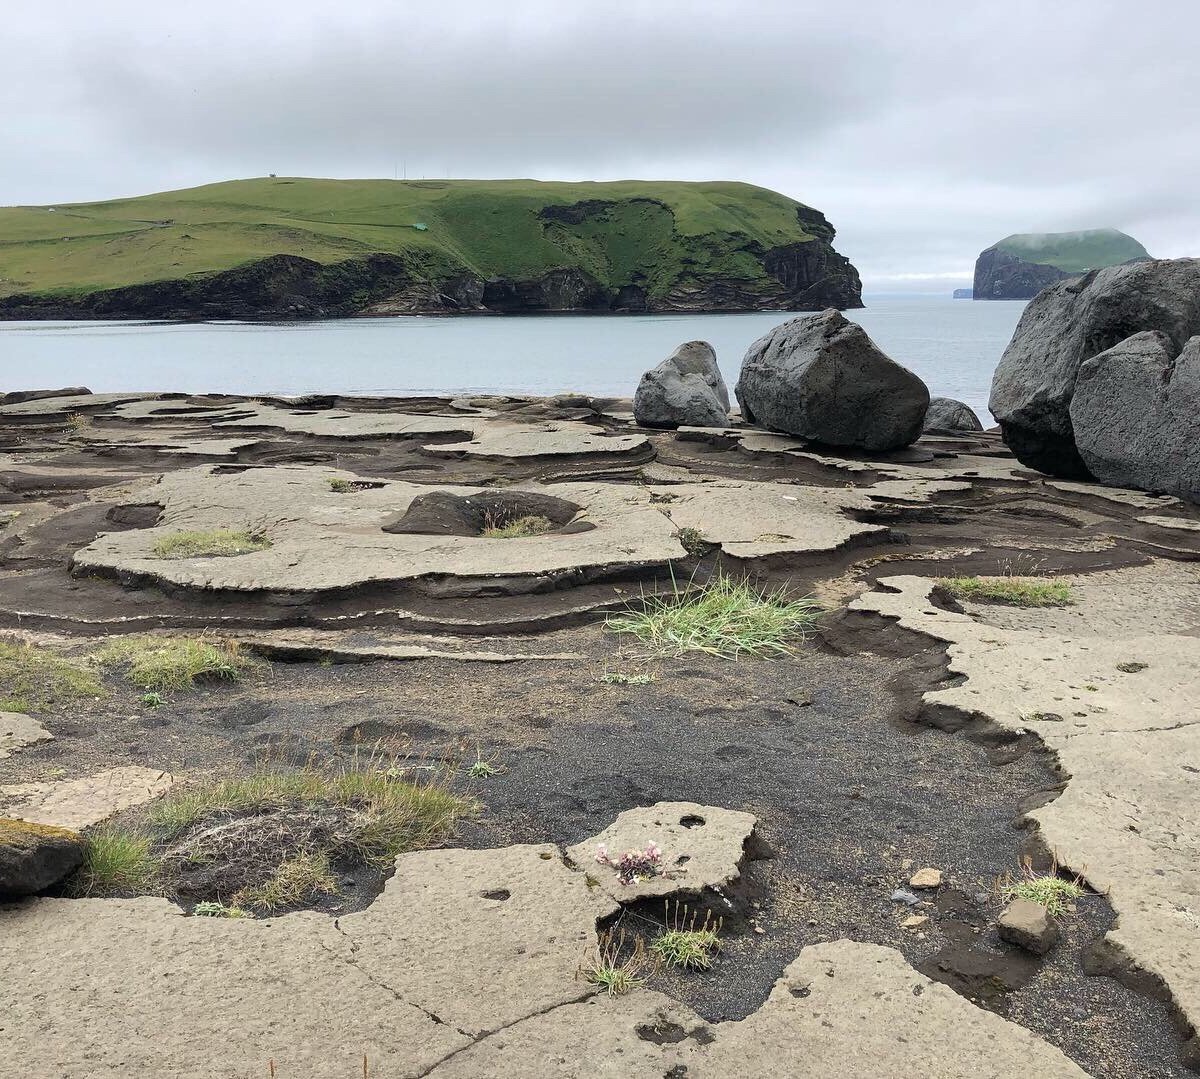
<point x="947" y="414"/>
<point x="1000" y="275"/>
<point x="1068" y="324"/>
<point x="17" y="396"/>
<point x="1136" y="415"/>
<point x="686" y="389"/>
<point x="35" y="856"/>
<point x="822" y="378"/>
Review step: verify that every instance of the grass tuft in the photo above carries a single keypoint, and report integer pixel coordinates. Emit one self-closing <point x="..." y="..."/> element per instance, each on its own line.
<point x="612" y="968"/>
<point x="117" y="861"/>
<point x="1046" y="889"/>
<point x="727" y="617"/>
<point x="215" y="543"/>
<point x="687" y="942"/>
<point x="516" y="528"/>
<point x="175" y="663"/>
<point x="213" y="909"/>
<point x="33" y="678"/>
<point x="1015" y="591"/>
<point x="297" y="880"/>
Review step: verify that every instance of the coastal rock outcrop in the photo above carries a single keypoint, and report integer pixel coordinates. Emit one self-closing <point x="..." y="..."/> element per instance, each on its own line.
<point x="1020" y="266"/>
<point x="947" y="414"/>
<point x="820" y="377"/>
<point x="1067" y="325"/>
<point x="685" y="390"/>
<point x="1136" y="415"/>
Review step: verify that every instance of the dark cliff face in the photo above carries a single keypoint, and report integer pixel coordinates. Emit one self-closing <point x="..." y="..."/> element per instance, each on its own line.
<point x="1002" y="276"/>
<point x="806" y="276"/>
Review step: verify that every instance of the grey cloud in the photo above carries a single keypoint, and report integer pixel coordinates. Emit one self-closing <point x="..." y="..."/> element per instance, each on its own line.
<point x="924" y="131"/>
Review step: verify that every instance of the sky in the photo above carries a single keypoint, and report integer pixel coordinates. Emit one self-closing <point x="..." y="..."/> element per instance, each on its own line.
<point x="925" y="131"/>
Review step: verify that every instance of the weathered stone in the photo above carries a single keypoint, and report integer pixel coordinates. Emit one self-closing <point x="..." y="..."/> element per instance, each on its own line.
<point x="702" y="847"/>
<point x="1136" y="415"/>
<point x="15" y="397"/>
<point x="686" y="389"/>
<point x="1065" y="326"/>
<point x="1028" y="925"/>
<point x="35" y="856"/>
<point x="947" y="414"/>
<point x="820" y="377"/>
<point x="926" y="878"/>
<point x="18" y="730"/>
<point x="78" y="803"/>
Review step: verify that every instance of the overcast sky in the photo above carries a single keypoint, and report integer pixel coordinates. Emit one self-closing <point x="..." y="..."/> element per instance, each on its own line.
<point x="924" y="131"/>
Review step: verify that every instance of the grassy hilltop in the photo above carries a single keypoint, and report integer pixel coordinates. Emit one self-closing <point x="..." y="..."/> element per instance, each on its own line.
<point x="657" y="235"/>
<point x="1074" y="252"/>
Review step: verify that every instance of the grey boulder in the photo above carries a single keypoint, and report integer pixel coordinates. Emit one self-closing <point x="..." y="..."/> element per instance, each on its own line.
<point x="1068" y="324"/>
<point x="1028" y="925"/>
<point x="35" y="856"/>
<point x="820" y="377"/>
<point x="1136" y="415"/>
<point x="947" y="414"/>
<point x="685" y="390"/>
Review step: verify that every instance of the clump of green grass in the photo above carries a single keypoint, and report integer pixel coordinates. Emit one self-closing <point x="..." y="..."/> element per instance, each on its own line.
<point x="612" y="969"/>
<point x="213" y="909"/>
<point x="484" y="767"/>
<point x="1015" y="591"/>
<point x="692" y="540"/>
<point x="152" y="700"/>
<point x="688" y="942"/>
<point x="627" y="678"/>
<point x="727" y="617"/>
<point x="215" y="543"/>
<point x="340" y="486"/>
<point x="297" y="880"/>
<point x="117" y="861"/>
<point x="175" y="663"/>
<point x="387" y="816"/>
<point x="516" y="528"/>
<point x="1048" y="890"/>
<point x="33" y="678"/>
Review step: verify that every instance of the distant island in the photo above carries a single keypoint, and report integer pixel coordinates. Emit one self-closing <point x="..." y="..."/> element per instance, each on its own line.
<point x="1020" y="266"/>
<point x="290" y="248"/>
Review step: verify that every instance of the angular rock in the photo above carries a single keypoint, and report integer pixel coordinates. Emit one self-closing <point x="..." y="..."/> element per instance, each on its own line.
<point x="820" y="377"/>
<point x="18" y="730"/>
<point x="1136" y="415"/>
<point x="35" y="856"/>
<point x="947" y="414"/>
<point x="1068" y="324"/>
<point x="702" y="847"/>
<point x="685" y="390"/>
<point x="1028" y="925"/>
<point x="926" y="878"/>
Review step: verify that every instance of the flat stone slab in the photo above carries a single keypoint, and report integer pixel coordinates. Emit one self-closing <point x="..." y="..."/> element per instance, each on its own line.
<point x="341" y="423"/>
<point x="322" y="539"/>
<point x="564" y="439"/>
<point x="18" y="730"/>
<point x="1110" y="686"/>
<point x="351" y="648"/>
<point x="53" y="407"/>
<point x="702" y="848"/>
<point x="1181" y="524"/>
<point x="80" y="803"/>
<point x="1120" y="495"/>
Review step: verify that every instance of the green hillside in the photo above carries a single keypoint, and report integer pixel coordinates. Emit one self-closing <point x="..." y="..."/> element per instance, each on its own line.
<point x="1074" y="252"/>
<point x="658" y="233"/>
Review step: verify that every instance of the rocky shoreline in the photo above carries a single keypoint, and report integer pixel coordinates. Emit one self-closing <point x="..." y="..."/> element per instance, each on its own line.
<point x="236" y="635"/>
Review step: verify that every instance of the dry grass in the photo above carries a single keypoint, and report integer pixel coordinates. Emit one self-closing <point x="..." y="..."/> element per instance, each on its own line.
<point x="516" y="528"/>
<point x="176" y="663"/>
<point x="33" y="678"/>
<point x="297" y="880"/>
<point x="215" y="543"/>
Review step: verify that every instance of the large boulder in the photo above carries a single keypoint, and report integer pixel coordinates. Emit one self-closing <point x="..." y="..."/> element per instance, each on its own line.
<point x="1136" y="415"/>
<point x="685" y="390"/>
<point x="35" y="856"/>
<point x="947" y="414"/>
<point x="820" y="377"/>
<point x="1068" y="324"/>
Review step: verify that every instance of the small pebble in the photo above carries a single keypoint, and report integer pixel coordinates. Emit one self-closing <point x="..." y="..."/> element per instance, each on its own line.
<point x="901" y="896"/>
<point x="913" y="921"/>
<point x="926" y="878"/>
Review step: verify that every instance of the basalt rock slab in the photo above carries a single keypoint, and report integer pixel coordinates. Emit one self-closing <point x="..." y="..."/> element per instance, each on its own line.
<point x="821" y="378"/>
<point x="79" y="803"/>
<point x="18" y="730"/>
<point x="1067" y="325"/>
